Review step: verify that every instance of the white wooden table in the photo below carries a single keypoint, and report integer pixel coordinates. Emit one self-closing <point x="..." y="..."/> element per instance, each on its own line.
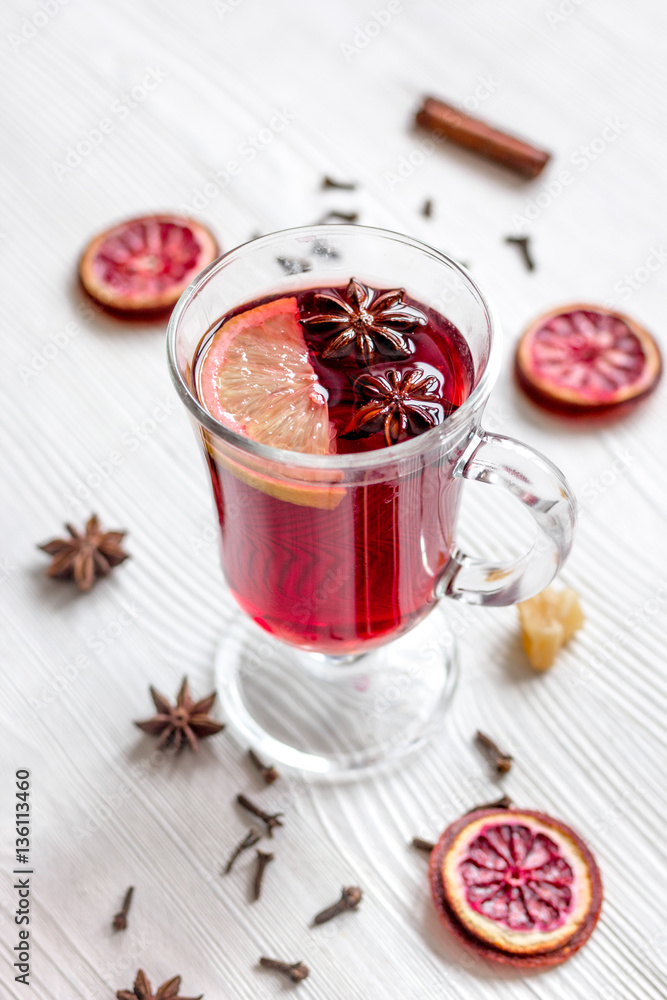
<point x="90" y="422"/>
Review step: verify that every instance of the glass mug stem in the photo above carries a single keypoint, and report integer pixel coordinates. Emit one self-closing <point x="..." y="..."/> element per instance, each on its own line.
<point x="543" y="490"/>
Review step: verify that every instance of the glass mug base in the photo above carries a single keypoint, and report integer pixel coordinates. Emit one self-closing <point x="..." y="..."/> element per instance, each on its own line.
<point x="328" y="716"/>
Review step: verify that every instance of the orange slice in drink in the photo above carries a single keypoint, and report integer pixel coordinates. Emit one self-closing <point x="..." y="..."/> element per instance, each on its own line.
<point x="256" y="378"/>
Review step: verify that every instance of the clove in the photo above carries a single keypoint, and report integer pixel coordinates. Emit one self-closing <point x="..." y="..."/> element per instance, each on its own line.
<point x="263" y="858"/>
<point x="422" y="845"/>
<point x="271" y="820"/>
<point x="500" y="760"/>
<point x="120" y="918"/>
<point x="523" y="243"/>
<point x="296" y="971"/>
<point x="250" y="839"/>
<point x="267" y="771"/>
<point x="329" y="182"/>
<point x="338" y="216"/>
<point x="291" y="265"/>
<point x="323" y="249"/>
<point x="349" y="900"/>
<point x="504" y="802"/>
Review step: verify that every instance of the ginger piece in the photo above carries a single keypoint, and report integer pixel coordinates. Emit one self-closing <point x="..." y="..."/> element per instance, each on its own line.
<point x="548" y="621"/>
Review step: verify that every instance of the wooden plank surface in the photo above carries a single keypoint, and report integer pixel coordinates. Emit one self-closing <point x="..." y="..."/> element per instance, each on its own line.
<point x="89" y="422"/>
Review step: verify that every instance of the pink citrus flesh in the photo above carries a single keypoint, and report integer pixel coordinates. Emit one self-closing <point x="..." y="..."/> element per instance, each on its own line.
<point x="517" y="886"/>
<point x="143" y="265"/>
<point x="583" y="358"/>
<point x="256" y="378"/>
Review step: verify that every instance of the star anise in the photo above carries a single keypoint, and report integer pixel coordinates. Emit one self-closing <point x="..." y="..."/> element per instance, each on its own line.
<point x="364" y="322"/>
<point x="397" y="403"/>
<point x="84" y="557"/>
<point x="142" y="990"/>
<point x="183" y="722"/>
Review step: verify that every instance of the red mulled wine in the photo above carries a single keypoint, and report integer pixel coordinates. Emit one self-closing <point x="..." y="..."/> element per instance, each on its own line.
<point x="334" y="568"/>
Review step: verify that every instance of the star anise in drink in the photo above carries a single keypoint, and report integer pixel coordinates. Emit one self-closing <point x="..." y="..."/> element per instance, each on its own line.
<point x="142" y="990"/>
<point x="183" y="722"/>
<point x="85" y="557"/>
<point x="397" y="403"/>
<point x="364" y="322"/>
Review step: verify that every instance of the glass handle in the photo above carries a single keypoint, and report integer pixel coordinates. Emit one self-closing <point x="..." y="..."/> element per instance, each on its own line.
<point x="544" y="491"/>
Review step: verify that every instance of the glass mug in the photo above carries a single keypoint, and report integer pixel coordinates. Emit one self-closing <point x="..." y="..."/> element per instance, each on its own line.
<point x="336" y="661"/>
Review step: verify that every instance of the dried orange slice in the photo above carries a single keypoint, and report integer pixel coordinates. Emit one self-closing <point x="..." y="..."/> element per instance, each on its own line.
<point x="587" y="359"/>
<point x="142" y="266"/>
<point x="518" y="886"/>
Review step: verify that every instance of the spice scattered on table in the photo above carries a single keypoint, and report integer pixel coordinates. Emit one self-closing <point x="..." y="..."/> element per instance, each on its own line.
<point x="251" y="838"/>
<point x="272" y="820"/>
<point x="516" y="886"/>
<point x="548" y="621"/>
<point x="267" y="771"/>
<point x="141" y="266"/>
<point x="85" y="557"/>
<point x="349" y="900"/>
<point x="329" y="182"/>
<point x="422" y="845"/>
<point x="587" y="360"/>
<point x="185" y="722"/>
<point x="322" y="249"/>
<point x="292" y="265"/>
<point x="501" y="761"/>
<point x="504" y="802"/>
<point x="263" y="859"/>
<point x="296" y="971"/>
<point x="334" y="216"/>
<point x="454" y="125"/>
<point x="120" y="919"/>
<point x="523" y="245"/>
<point x="427" y="208"/>
<point x="142" y="990"/>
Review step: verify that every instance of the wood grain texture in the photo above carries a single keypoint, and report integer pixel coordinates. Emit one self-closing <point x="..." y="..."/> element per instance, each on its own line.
<point x="89" y="422"/>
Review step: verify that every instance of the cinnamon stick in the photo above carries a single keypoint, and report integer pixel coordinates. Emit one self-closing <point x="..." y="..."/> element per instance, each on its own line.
<point x="454" y="125"/>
